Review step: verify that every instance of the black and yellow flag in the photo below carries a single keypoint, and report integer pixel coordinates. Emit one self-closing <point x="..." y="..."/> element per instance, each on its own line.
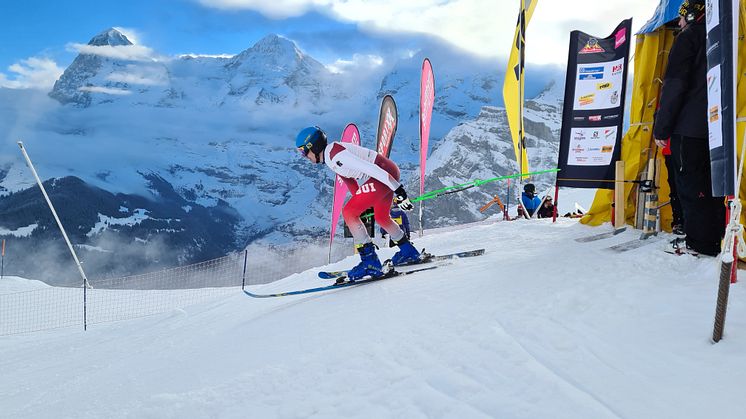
<point x="513" y="87"/>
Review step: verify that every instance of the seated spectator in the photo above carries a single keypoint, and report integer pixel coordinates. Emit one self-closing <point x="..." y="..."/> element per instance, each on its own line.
<point x="400" y="218"/>
<point x="529" y="200"/>
<point x="547" y="208"/>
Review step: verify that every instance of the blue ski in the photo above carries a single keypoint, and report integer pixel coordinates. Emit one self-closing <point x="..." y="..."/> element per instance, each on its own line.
<point x="426" y="259"/>
<point x="390" y="274"/>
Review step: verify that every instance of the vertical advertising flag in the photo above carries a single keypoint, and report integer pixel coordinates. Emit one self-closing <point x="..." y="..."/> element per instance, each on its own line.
<point x="427" y="100"/>
<point x="592" y="118"/>
<point x="722" y="58"/>
<point x="387" y="122"/>
<point x="513" y="94"/>
<point x="349" y="135"/>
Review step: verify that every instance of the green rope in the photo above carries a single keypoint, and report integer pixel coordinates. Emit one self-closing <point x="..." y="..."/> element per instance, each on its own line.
<point x="477" y="182"/>
<point x="468" y="185"/>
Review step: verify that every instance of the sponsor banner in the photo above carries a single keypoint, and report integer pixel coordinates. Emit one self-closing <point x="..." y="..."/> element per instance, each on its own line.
<point x="427" y="99"/>
<point x="592" y="146"/>
<point x="722" y="40"/>
<point x="387" y="123"/>
<point x="591" y="134"/>
<point x="349" y="135"/>
<point x="597" y="86"/>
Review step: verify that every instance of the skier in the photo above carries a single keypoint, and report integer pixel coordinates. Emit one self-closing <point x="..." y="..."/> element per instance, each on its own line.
<point x="380" y="186"/>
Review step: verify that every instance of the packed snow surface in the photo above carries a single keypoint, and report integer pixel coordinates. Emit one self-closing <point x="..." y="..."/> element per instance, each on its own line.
<point x="541" y="326"/>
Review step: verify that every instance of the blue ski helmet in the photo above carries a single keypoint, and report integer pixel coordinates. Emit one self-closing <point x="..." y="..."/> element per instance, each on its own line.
<point x="311" y="139"/>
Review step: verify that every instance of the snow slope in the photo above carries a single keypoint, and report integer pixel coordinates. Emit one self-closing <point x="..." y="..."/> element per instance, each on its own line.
<point x="539" y="327"/>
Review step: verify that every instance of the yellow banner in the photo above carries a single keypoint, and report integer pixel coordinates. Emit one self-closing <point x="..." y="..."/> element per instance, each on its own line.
<point x="513" y="87"/>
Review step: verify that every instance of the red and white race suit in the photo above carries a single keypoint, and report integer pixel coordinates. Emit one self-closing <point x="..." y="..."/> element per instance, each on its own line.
<point x="379" y="179"/>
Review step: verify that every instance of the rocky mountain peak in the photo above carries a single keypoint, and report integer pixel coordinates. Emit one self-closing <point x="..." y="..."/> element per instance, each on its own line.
<point x="111" y="37"/>
<point x="272" y="50"/>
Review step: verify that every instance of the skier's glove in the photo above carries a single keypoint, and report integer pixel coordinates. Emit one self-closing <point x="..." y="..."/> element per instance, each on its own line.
<point x="401" y="200"/>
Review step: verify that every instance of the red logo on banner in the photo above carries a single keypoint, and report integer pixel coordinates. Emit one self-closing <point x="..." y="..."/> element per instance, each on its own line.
<point x="591" y="47"/>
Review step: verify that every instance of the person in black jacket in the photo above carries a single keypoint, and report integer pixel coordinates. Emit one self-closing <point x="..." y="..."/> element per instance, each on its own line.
<point x="682" y="115"/>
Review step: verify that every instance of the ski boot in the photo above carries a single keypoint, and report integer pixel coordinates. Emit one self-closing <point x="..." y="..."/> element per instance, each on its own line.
<point x="407" y="254"/>
<point x="369" y="264"/>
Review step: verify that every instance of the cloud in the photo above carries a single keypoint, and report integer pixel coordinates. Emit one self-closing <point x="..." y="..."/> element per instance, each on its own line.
<point x="483" y="27"/>
<point x="118" y="52"/>
<point x="146" y="75"/>
<point x="359" y="61"/>
<point x="193" y="55"/>
<point x="275" y="9"/>
<point x="132" y="34"/>
<point x="107" y="90"/>
<point x="32" y="73"/>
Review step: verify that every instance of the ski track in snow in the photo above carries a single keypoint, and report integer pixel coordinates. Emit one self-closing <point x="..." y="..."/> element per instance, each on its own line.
<point x="539" y="327"/>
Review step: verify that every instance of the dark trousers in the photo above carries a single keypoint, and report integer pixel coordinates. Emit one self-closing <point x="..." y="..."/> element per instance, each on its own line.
<point x="673" y="196"/>
<point x="704" y="215"/>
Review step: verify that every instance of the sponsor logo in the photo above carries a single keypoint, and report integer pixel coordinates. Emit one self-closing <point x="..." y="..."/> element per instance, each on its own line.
<point x="608" y="133"/>
<point x="389" y="123"/>
<point x="594" y="149"/>
<point x="587" y="99"/>
<point x="579" y="136"/>
<point x="616" y="69"/>
<point x="614" y="98"/>
<point x="615" y="116"/>
<point x="603" y="86"/>
<point x="592" y="76"/>
<point x="594" y="118"/>
<point x="711" y="79"/>
<point x="620" y="38"/>
<point x="595" y="135"/>
<point x="708" y="12"/>
<point x="607" y="149"/>
<point x="428" y="97"/>
<point x="591" y="47"/>
<point x="714" y="113"/>
<point x="578" y="150"/>
<point x="339" y="163"/>
<point x="578" y="118"/>
<point x="590" y="73"/>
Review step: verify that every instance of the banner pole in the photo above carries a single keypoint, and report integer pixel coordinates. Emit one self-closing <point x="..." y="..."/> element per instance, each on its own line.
<point x="507" y="203"/>
<point x="62" y="229"/>
<point x="619" y="205"/>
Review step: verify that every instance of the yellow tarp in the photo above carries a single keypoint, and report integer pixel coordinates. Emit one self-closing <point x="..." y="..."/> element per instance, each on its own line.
<point x="651" y="56"/>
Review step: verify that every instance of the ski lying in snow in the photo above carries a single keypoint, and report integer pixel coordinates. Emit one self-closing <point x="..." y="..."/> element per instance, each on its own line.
<point x="342" y="283"/>
<point x="601" y="236"/>
<point x="426" y="259"/>
<point x="633" y="244"/>
<point x="681" y="252"/>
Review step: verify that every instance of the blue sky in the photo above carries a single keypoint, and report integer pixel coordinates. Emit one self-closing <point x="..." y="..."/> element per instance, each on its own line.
<point x="37" y="35"/>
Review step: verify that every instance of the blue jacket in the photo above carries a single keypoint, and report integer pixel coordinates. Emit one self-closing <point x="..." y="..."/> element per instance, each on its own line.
<point x="530" y="204"/>
<point x="399" y="217"/>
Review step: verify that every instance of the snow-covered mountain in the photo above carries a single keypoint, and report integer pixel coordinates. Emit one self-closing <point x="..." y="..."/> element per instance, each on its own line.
<point x="218" y="133"/>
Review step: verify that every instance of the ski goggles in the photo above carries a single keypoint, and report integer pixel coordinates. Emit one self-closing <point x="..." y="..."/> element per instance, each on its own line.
<point x="303" y="150"/>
